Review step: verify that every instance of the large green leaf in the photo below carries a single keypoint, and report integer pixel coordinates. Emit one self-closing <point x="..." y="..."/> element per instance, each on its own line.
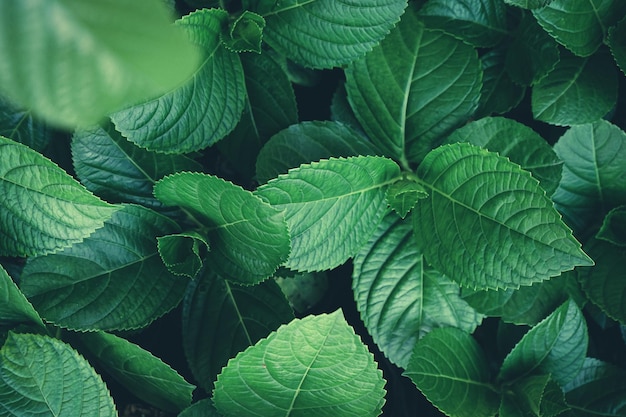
<point x="204" y="109"/>
<point x="499" y="93"/>
<point x="143" y="374"/>
<point x="112" y="280"/>
<point x="399" y="296"/>
<point x="331" y="207"/>
<point x="220" y="319"/>
<point x="42" y="208"/>
<point x="73" y="62"/>
<point x="484" y="207"/>
<point x="20" y="126"/>
<point x="14" y="307"/>
<point x="451" y="370"/>
<point x="594" y="157"/>
<point x="577" y="91"/>
<point x="412" y="89"/>
<point x="313" y="366"/>
<point x="42" y="376"/>
<point x="326" y="33"/>
<point x="556" y="346"/>
<point x="248" y="238"/>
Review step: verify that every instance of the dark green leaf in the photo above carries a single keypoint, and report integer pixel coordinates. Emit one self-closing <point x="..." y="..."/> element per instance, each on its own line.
<point x="245" y="33"/>
<point x="403" y="195"/>
<point x="499" y="93"/>
<point x="617" y="43"/>
<point x="613" y="228"/>
<point x="14" y="307"/>
<point x="528" y="4"/>
<point x="535" y="395"/>
<point x="183" y="253"/>
<point x="340" y="110"/>
<point x="20" y="126"/>
<point x="203" y="408"/>
<point x="303" y="291"/>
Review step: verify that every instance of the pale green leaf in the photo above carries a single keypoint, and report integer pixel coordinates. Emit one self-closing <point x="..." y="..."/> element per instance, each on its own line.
<point x="248" y="238"/>
<point x="617" y="43"/>
<point x="73" y="62"/>
<point x="42" y="376"/>
<point x="204" y="109"/>
<point x="331" y="207"/>
<point x="556" y="346"/>
<point x="143" y="374"/>
<point x="113" y="280"/>
<point x="536" y="395"/>
<point x="313" y="366"/>
<point x="577" y="91"/>
<point x="42" y="208"/>
<point x="20" y="126"/>
<point x="400" y="297"/>
<point x="305" y="290"/>
<point x="613" y="228"/>
<point x="220" y="319"/>
<point x="183" y="253"/>
<point x="326" y="33"/>
<point x="203" y="408"/>
<point x="483" y="206"/>
<point x="403" y="195"/>
<point x="528" y="4"/>
<point x="414" y="88"/>
<point x="245" y="33"/>
<point x="14" y="307"/>
<point x="499" y="93"/>
<point x="451" y="370"/>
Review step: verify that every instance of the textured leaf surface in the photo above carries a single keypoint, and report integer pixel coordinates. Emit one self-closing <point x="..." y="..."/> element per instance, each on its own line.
<point x="528" y="4"/>
<point x="183" y="253"/>
<point x="594" y="157"/>
<point x="577" y="91"/>
<point x="202" y="408"/>
<point x="20" y="126"/>
<point x="221" y="319"/>
<point x="74" y="62"/>
<point x="331" y="207"/>
<point x="113" y="280"/>
<point x="43" y="376"/>
<point x="14" y="307"/>
<point x="143" y="374"/>
<point x="303" y="290"/>
<point x="499" y="93"/>
<point x="556" y="346"/>
<point x="399" y="296"/>
<point x="326" y="33"/>
<point x="43" y="209"/>
<point x="451" y="370"/>
<point x="412" y="89"/>
<point x="204" y="109"/>
<point x="482" y="206"/>
<point x="248" y="238"/>
<point x="617" y="43"/>
<point x="245" y="33"/>
<point x="403" y="195"/>
<point x="313" y="366"/>
<point x="535" y="395"/>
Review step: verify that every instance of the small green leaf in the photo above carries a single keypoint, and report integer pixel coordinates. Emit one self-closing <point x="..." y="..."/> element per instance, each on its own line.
<point x="331" y="207"/>
<point x="483" y="206"/>
<point x="617" y="43"/>
<point x="248" y="238"/>
<point x="183" y="253"/>
<point x="245" y="33"/>
<point x="20" y="125"/>
<point x="613" y="228"/>
<point x="499" y="93"/>
<point x="203" y="408"/>
<point x="73" y="62"/>
<point x="556" y="346"/>
<point x="14" y="307"/>
<point x="403" y="195"/>
<point x="528" y="4"/>
<point x="303" y="291"/>
<point x="43" y="376"/>
<point x="313" y="366"/>
<point x="451" y="370"/>
<point x="577" y="91"/>
<point x="535" y="395"/>
<point x="143" y="374"/>
<point x="27" y="179"/>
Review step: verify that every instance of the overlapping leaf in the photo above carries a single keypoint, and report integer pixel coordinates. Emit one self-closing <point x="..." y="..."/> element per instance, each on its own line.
<point x="20" y="126"/>
<point x="499" y="93"/>
<point x="43" y="376"/>
<point x="528" y="4"/>
<point x="536" y="395"/>
<point x="403" y="195"/>
<point x="248" y="238"/>
<point x="112" y="280"/>
<point x="304" y="290"/>
<point x="14" y="307"/>
<point x="613" y="227"/>
<point x="617" y="43"/>
<point x="183" y="253"/>
<point x="313" y="366"/>
<point x="482" y="206"/>
<point x="202" y="408"/>
<point x="42" y="208"/>
<point x="331" y="207"/>
<point x="204" y="109"/>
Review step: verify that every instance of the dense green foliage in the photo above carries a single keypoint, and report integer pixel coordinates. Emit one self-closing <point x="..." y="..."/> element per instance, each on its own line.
<point x="446" y="235"/>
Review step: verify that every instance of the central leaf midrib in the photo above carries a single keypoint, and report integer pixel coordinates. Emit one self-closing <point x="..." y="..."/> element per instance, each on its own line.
<point x="288" y="8"/>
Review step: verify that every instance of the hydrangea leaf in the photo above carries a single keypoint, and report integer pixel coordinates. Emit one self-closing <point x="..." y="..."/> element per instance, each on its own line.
<point x="403" y="195"/>
<point x="613" y="228"/>
<point x="14" y="307"/>
<point x="245" y="33"/>
<point x="21" y="126"/>
<point x="536" y="395"/>
<point x="617" y="44"/>
<point x="499" y="93"/>
<point x="183" y="253"/>
<point x="528" y="4"/>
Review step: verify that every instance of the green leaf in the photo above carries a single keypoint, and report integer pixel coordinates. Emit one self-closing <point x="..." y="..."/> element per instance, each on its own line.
<point x="119" y="171"/>
<point x="245" y="33"/>
<point x="331" y="207"/>
<point x="340" y="110"/>
<point x="481" y="23"/>
<point x="14" y="307"/>
<point x="414" y="88"/>
<point x="617" y="43"/>
<point x="556" y="346"/>
<point x="400" y="297"/>
<point x="594" y="157"/>
<point x="580" y="26"/>
<point x="528" y="4"/>
<point x="313" y="366"/>
<point x="499" y="93"/>
<point x="221" y="319"/>
<point x="248" y="238"/>
<point x="303" y="291"/>
<point x="307" y="142"/>
<point x="183" y="253"/>
<point x="517" y="142"/>
<point x="27" y="179"/>
<point x="451" y="370"/>
<point x="482" y="206"/>
<point x="73" y="62"/>
<point x="613" y="228"/>
<point x="203" y="408"/>
<point x="143" y="374"/>
<point x="113" y="280"/>
<point x="20" y="126"/>
<point x="403" y="195"/>
<point x="535" y="395"/>
<point x="326" y="33"/>
<point x="577" y="91"/>
<point x="43" y="376"/>
<point x="185" y="120"/>
<point x="599" y="389"/>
